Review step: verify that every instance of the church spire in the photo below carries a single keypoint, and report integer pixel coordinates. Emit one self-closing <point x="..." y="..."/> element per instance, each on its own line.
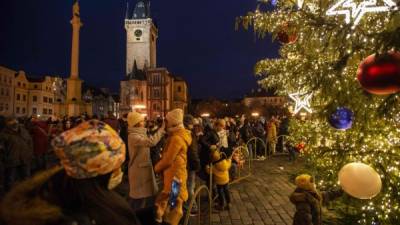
<point x="127" y="10"/>
<point x="142" y="10"/>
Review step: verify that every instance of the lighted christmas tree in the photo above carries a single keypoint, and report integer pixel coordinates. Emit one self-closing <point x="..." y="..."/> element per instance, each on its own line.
<point x="323" y="45"/>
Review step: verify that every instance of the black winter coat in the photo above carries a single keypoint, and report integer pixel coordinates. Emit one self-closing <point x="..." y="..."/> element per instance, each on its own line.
<point x="193" y="155"/>
<point x="18" y="147"/>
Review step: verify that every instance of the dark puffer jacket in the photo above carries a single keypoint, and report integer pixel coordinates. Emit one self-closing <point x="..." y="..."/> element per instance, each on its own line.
<point x="308" y="205"/>
<point x="18" y="147"/>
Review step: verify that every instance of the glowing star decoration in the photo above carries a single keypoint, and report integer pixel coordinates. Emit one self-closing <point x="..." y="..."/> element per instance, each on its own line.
<point x="302" y="101"/>
<point x="300" y="3"/>
<point x="355" y="11"/>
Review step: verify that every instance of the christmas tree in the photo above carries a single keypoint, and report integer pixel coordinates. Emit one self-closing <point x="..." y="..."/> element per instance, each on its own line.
<point x="323" y="44"/>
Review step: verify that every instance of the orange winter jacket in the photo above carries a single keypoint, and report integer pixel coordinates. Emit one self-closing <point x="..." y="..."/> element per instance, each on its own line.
<point x="174" y="160"/>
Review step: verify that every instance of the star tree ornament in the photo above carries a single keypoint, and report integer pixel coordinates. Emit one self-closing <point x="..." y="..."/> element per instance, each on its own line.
<point x="354" y="11"/>
<point x="302" y="101"/>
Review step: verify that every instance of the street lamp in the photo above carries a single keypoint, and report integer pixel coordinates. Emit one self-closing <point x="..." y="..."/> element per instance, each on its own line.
<point x="205" y="115"/>
<point x="255" y="114"/>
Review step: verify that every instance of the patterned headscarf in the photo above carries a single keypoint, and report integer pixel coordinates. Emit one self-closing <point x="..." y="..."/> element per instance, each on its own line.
<point x="91" y="149"/>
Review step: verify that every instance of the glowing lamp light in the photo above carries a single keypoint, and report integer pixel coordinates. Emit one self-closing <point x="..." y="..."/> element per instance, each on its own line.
<point x="144" y="114"/>
<point x="302" y="101"/>
<point x="255" y="114"/>
<point x="355" y="11"/>
<point x="138" y="106"/>
<point x="205" y="115"/>
<point x="360" y="180"/>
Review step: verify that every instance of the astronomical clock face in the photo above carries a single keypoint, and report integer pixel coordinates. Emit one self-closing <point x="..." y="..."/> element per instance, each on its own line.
<point x="138" y="33"/>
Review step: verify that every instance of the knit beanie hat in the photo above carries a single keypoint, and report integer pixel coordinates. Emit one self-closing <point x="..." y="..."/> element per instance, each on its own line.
<point x="134" y="118"/>
<point x="304" y="182"/>
<point x="174" y="117"/>
<point x="196" y="121"/>
<point x="188" y="120"/>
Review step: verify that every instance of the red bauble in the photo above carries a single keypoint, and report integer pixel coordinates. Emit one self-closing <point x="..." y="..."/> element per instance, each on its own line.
<point x="285" y="36"/>
<point x="380" y="75"/>
<point x="300" y="147"/>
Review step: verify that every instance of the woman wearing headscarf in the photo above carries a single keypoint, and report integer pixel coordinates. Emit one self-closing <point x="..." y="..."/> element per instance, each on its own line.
<point x="80" y="190"/>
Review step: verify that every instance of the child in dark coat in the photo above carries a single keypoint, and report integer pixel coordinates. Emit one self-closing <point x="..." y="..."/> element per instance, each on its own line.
<point x="308" y="201"/>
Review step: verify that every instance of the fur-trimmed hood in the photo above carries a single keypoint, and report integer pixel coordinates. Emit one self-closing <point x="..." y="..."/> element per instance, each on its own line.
<point x="23" y="206"/>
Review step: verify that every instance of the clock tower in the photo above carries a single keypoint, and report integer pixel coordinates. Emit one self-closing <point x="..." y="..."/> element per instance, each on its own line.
<point x="141" y="37"/>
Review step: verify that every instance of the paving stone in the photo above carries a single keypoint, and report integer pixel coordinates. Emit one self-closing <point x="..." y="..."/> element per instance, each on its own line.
<point x="261" y="199"/>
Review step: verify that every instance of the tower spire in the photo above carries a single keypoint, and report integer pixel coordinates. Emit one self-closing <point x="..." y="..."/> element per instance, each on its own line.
<point x="127" y="10"/>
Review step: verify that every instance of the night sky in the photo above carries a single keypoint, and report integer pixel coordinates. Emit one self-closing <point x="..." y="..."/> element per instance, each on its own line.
<point x="197" y="41"/>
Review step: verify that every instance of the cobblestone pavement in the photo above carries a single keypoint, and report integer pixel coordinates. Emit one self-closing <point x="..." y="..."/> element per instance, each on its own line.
<point x="263" y="197"/>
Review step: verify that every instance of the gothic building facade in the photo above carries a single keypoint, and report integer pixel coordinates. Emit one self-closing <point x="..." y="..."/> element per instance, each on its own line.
<point x="148" y="89"/>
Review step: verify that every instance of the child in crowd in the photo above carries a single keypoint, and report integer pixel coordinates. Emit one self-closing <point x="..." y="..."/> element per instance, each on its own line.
<point x="308" y="201"/>
<point x="220" y="172"/>
<point x="237" y="163"/>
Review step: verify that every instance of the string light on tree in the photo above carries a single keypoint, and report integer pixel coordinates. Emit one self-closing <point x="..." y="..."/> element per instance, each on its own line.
<point x="356" y="11"/>
<point x="302" y="101"/>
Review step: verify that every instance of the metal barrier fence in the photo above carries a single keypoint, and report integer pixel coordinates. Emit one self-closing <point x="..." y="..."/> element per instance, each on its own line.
<point x="197" y="198"/>
<point x="283" y="143"/>
<point x="243" y="151"/>
<point x="253" y="144"/>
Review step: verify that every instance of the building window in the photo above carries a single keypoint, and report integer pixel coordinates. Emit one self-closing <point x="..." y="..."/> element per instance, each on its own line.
<point x="23" y="85"/>
<point x="50" y="112"/>
<point x="34" y="98"/>
<point x="35" y="86"/>
<point x="50" y="100"/>
<point x="19" y="84"/>
<point x="2" y="91"/>
<point x="156" y="93"/>
<point x="141" y="96"/>
<point x="179" y="88"/>
<point x="6" y="108"/>
<point x="44" y="111"/>
<point x="7" y="92"/>
<point x="44" y="99"/>
<point x="34" y="110"/>
<point x="24" y="98"/>
<point x="1" y="107"/>
<point x="18" y="110"/>
<point x="23" y="110"/>
<point x="18" y="97"/>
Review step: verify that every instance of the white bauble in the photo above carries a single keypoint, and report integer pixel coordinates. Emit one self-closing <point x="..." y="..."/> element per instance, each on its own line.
<point x="360" y="180"/>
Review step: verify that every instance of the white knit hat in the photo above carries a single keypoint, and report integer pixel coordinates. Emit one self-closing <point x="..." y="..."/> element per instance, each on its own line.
<point x="174" y="117"/>
<point x="134" y="118"/>
<point x="196" y="121"/>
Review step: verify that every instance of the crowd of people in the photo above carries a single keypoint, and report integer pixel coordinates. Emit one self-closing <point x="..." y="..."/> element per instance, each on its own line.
<point x="162" y="159"/>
